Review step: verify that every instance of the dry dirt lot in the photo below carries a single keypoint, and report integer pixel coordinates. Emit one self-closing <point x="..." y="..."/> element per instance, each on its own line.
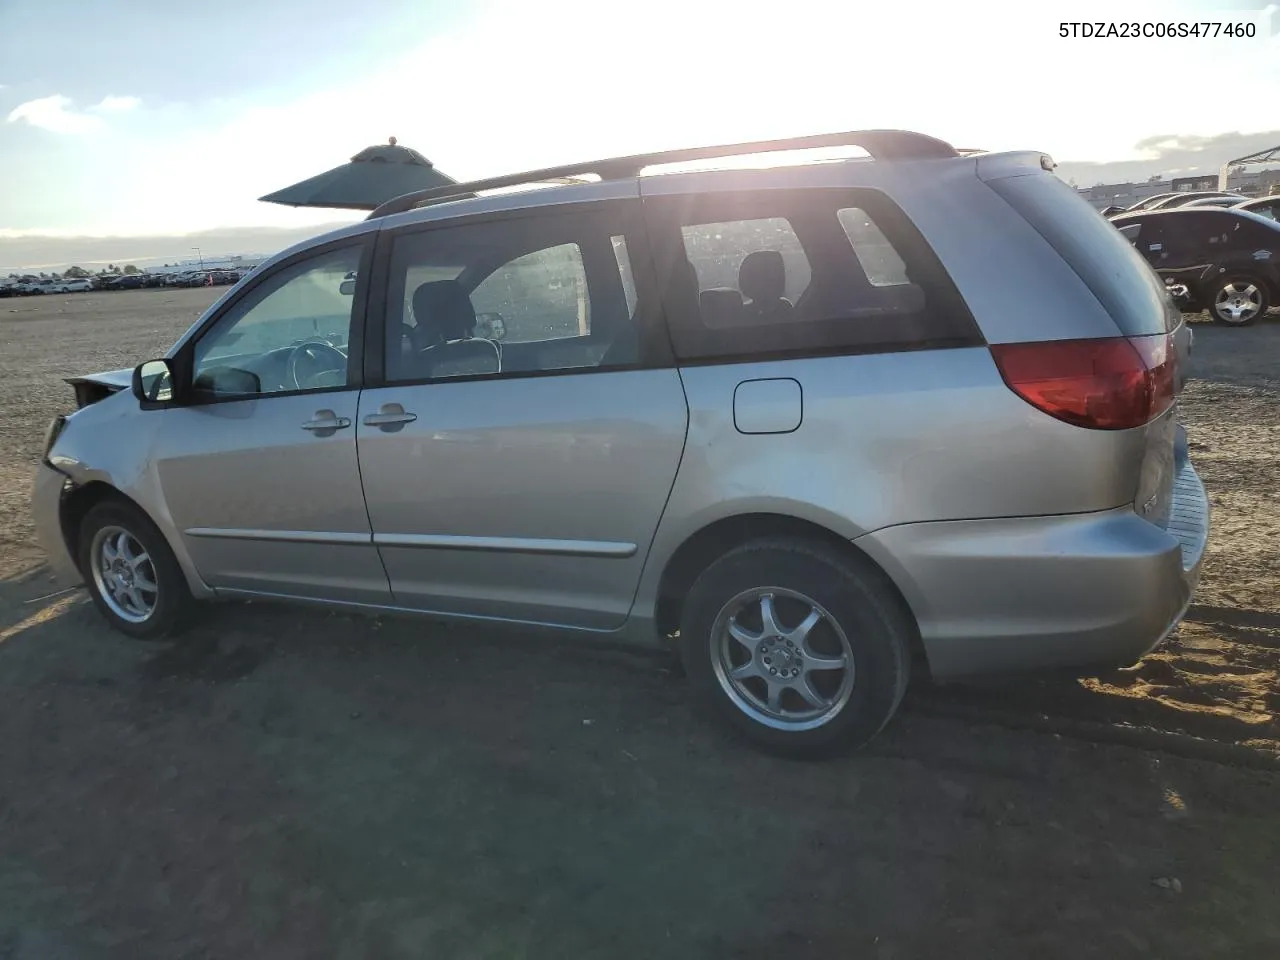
<point x="294" y="784"/>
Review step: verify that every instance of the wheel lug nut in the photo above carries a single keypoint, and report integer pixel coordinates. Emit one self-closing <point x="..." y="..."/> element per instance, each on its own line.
<point x="774" y="671"/>
<point x="768" y="660"/>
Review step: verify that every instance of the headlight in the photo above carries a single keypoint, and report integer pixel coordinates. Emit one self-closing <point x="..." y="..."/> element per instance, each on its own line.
<point x="52" y="432"/>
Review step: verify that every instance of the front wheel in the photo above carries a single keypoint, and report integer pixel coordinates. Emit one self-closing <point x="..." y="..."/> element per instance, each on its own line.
<point x="797" y="646"/>
<point x="1237" y="301"/>
<point x="131" y="572"/>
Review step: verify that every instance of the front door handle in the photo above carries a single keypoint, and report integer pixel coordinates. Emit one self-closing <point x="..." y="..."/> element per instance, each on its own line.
<point x="326" y="421"/>
<point x="391" y="415"/>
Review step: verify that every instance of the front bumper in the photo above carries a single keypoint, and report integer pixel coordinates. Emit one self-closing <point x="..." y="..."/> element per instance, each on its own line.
<point x="46" y="512"/>
<point x="1033" y="593"/>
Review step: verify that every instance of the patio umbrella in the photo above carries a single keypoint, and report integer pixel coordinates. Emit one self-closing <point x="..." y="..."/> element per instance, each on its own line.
<point x="373" y="175"/>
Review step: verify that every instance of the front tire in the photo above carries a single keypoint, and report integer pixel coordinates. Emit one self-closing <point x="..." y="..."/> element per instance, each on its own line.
<point x="1238" y="300"/>
<point x="131" y="572"/>
<point x="800" y="648"/>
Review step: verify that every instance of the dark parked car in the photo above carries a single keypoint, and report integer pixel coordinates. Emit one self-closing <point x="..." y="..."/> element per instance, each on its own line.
<point x="130" y="282"/>
<point x="1222" y="200"/>
<point x="1268" y="207"/>
<point x="1228" y="260"/>
<point x="1176" y="200"/>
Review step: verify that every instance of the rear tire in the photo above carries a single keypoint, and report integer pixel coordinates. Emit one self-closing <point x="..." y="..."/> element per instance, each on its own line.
<point x="1237" y="300"/>
<point x="798" y="647"/>
<point x="131" y="573"/>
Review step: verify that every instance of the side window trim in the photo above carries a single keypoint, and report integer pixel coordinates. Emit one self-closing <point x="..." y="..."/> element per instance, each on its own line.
<point x="357" y="341"/>
<point x="651" y="327"/>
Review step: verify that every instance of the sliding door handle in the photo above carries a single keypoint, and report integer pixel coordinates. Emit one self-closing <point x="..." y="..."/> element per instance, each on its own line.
<point x="388" y="419"/>
<point x="391" y="415"/>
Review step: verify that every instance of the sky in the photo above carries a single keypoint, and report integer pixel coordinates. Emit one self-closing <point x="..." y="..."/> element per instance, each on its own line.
<point x="164" y="119"/>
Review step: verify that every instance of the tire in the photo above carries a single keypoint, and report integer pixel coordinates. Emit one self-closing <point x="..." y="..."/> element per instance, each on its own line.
<point x="859" y="621"/>
<point x="165" y="607"/>
<point x="1237" y="300"/>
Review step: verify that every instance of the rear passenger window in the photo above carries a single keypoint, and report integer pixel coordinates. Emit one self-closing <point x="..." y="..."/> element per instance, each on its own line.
<point x="793" y="272"/>
<point x="718" y="251"/>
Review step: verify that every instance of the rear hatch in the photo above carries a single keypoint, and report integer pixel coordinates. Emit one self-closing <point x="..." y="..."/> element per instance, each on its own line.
<point x="1131" y="382"/>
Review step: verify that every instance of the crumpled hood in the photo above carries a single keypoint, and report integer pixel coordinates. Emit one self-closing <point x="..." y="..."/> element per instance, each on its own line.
<point x="92" y="387"/>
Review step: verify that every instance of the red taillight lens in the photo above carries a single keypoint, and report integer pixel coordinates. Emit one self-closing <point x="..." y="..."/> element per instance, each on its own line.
<point x="1111" y="384"/>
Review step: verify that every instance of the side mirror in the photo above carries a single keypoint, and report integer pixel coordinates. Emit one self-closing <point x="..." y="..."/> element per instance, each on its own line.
<point x="347" y="288"/>
<point x="153" y="383"/>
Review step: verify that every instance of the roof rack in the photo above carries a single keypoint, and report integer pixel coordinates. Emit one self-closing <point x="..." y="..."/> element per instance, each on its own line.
<point x="880" y="144"/>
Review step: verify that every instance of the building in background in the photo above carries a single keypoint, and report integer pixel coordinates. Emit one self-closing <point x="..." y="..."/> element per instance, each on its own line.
<point x="1256" y="183"/>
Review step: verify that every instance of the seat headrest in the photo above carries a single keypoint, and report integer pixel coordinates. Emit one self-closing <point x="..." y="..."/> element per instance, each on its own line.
<point x="763" y="276"/>
<point x="443" y="311"/>
<point x="721" y="307"/>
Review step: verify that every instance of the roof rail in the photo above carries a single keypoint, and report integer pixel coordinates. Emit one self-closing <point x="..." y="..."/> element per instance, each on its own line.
<point x="880" y="144"/>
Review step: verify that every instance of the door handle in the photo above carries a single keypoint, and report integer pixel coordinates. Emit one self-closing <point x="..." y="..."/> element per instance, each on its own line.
<point x="326" y="420"/>
<point x="389" y="419"/>
<point x="391" y="415"/>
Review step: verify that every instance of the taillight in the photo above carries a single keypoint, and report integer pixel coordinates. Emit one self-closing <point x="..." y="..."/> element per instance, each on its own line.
<point x="1111" y="384"/>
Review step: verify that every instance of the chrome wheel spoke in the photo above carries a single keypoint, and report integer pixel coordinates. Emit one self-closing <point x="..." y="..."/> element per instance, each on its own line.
<point x="800" y="634"/>
<point x="811" y="696"/>
<point x="818" y="661"/>
<point x="745" y="672"/>
<point x="122" y="547"/>
<point x="775" y="696"/>
<point x="768" y="618"/>
<point x="744" y="636"/>
<point x="143" y="582"/>
<point x="135" y="600"/>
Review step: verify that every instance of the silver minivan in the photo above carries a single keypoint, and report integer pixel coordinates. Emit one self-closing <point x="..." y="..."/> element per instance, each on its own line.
<point x="817" y="425"/>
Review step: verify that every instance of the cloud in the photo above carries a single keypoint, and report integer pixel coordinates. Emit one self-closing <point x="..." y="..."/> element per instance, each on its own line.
<point x="112" y="104"/>
<point x="58" y="114"/>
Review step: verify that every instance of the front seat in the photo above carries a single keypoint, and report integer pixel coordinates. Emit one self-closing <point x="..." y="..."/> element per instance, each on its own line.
<point x="762" y="278"/>
<point x="444" y="341"/>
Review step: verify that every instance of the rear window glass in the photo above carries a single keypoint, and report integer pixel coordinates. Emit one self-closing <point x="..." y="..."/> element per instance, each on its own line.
<point x="792" y="272"/>
<point x="1095" y="249"/>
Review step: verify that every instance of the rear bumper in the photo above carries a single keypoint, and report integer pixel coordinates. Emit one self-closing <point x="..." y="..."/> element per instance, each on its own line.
<point x="46" y="513"/>
<point x="1033" y="593"/>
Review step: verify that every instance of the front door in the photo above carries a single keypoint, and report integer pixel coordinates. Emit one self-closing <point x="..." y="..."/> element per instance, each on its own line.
<point x="259" y="471"/>
<point x="518" y="458"/>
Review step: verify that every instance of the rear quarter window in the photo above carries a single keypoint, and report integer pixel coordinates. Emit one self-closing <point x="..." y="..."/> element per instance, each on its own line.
<point x="792" y="272"/>
<point x="1095" y="249"/>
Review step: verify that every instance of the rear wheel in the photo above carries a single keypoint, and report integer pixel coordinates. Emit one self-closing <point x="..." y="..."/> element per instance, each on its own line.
<point x="132" y="575"/>
<point x="1237" y="301"/>
<point x="797" y="646"/>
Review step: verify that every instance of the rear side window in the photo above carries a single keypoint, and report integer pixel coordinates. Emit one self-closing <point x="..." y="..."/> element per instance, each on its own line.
<point x="1119" y="277"/>
<point x="781" y="273"/>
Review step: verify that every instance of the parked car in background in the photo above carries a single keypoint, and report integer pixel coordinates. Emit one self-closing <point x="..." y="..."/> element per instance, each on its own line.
<point x="1181" y="199"/>
<point x="1146" y="204"/>
<point x="130" y="281"/>
<point x="781" y="419"/>
<point x="1227" y="259"/>
<point x="1222" y="200"/>
<point x="69" y="286"/>
<point x="1268" y="207"/>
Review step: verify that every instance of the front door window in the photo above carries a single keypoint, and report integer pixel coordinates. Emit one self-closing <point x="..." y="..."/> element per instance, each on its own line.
<point x="290" y="333"/>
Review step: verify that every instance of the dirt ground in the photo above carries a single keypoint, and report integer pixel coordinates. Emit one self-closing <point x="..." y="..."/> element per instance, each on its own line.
<point x="296" y="784"/>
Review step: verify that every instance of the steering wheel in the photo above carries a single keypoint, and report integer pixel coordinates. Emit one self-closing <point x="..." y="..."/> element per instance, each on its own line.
<point x="323" y="358"/>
